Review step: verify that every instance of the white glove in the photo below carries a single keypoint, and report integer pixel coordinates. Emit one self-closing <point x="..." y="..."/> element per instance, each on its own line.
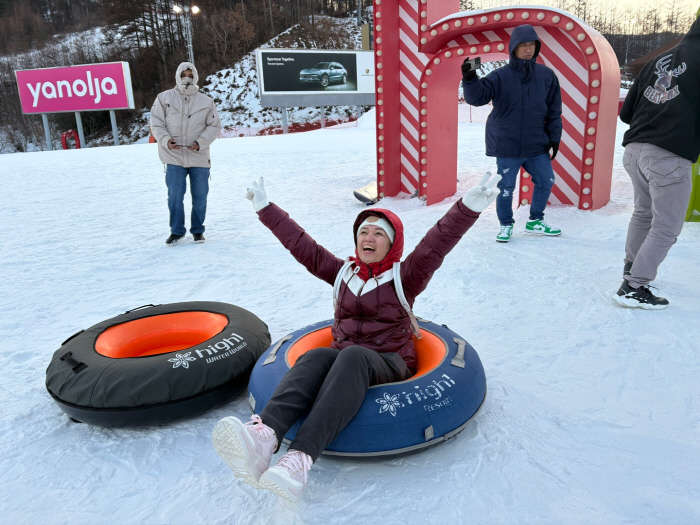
<point x="478" y="198"/>
<point x="257" y="195"/>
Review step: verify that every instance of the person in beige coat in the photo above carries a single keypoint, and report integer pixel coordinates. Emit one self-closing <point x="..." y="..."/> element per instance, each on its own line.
<point x="185" y="122"/>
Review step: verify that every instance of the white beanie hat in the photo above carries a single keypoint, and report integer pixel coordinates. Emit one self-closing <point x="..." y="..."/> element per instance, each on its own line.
<point x="379" y="222"/>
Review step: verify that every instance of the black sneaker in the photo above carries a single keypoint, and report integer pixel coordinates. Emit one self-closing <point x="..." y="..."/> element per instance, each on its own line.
<point x="174" y="239"/>
<point x="627" y="269"/>
<point x="199" y="238"/>
<point x="639" y="298"/>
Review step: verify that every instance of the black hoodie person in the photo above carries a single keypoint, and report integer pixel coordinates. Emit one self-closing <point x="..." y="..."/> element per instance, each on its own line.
<point x="524" y="125"/>
<point x="663" y="111"/>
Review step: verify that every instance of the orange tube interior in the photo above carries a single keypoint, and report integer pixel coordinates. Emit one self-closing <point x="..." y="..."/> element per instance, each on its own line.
<point x="430" y="350"/>
<point x="159" y="334"/>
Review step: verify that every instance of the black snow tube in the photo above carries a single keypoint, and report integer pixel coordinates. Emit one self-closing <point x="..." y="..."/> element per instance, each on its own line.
<point x="156" y="365"/>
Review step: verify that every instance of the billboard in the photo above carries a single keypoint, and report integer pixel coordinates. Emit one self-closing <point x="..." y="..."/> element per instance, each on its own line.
<point x="292" y="77"/>
<point x="88" y="87"/>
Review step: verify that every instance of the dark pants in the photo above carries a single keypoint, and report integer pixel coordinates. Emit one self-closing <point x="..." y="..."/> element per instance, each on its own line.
<point x="542" y="176"/>
<point x="332" y="383"/>
<point x="176" y="180"/>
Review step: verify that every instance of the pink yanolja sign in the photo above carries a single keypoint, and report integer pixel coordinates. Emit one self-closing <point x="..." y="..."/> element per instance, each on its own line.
<point x="88" y="87"/>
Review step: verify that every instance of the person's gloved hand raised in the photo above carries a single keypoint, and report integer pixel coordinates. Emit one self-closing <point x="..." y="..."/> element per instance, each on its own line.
<point x="257" y="195"/>
<point x="468" y="73"/>
<point x="479" y="197"/>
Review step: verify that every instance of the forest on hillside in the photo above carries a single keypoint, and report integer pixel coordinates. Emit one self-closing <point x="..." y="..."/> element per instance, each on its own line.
<point x="151" y="36"/>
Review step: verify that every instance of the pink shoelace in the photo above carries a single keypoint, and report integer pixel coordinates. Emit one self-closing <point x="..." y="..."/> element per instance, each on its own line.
<point x="256" y="426"/>
<point x="296" y="461"/>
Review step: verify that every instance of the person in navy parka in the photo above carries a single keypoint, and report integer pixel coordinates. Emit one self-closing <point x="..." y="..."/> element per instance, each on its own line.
<point x="524" y="125"/>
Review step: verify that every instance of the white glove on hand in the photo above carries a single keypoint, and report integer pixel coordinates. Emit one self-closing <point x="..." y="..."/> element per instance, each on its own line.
<point x="478" y="198"/>
<point x="257" y="195"/>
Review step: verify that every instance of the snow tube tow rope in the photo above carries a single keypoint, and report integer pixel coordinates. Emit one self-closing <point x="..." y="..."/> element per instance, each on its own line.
<point x="156" y="364"/>
<point x="446" y="392"/>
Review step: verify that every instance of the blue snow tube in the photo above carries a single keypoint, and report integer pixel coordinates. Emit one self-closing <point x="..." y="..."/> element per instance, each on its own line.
<point x="447" y="391"/>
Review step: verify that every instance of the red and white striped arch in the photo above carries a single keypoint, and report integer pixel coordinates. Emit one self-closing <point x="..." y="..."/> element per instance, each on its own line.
<point x="419" y="46"/>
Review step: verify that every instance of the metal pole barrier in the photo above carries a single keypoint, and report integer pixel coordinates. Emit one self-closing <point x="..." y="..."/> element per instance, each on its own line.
<point x="189" y="36"/>
<point x="359" y="112"/>
<point x="115" y="131"/>
<point x="79" y="124"/>
<point x="284" y="119"/>
<point x="323" y="117"/>
<point x="47" y="131"/>
<point x="359" y="12"/>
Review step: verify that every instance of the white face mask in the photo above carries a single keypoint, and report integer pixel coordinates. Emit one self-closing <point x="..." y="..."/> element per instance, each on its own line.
<point x="187" y="81"/>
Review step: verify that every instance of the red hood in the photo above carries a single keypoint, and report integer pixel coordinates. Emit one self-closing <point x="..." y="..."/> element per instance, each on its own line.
<point x="395" y="252"/>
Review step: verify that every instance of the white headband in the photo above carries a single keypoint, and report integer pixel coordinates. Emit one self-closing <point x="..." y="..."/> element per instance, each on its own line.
<point x="379" y="222"/>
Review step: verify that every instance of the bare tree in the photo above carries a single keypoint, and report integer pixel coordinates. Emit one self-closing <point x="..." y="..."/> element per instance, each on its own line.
<point x="229" y="35"/>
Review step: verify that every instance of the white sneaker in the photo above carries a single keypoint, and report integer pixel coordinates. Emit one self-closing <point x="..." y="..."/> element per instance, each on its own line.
<point x="288" y="477"/>
<point x="246" y="448"/>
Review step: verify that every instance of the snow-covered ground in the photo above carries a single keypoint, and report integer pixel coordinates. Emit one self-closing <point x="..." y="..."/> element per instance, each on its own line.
<point x="593" y="411"/>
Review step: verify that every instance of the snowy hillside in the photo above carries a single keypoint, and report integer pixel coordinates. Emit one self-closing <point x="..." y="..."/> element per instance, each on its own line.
<point x="592" y="412"/>
<point x="235" y="90"/>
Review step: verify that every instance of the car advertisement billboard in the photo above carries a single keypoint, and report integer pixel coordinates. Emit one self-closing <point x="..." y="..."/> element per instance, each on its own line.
<point x="299" y="77"/>
<point x="88" y="87"/>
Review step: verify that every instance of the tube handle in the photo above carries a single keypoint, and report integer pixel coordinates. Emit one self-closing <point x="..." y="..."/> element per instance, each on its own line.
<point x="272" y="356"/>
<point x="458" y="360"/>
<point x="139" y="307"/>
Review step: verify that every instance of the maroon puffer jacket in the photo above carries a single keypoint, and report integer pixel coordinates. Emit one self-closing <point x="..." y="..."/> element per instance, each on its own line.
<point x="368" y="312"/>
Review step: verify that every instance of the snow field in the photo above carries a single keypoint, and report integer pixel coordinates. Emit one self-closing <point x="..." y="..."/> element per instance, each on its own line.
<point x="592" y="413"/>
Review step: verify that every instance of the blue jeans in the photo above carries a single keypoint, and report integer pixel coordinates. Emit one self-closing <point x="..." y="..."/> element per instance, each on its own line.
<point x="540" y="169"/>
<point x="176" y="180"/>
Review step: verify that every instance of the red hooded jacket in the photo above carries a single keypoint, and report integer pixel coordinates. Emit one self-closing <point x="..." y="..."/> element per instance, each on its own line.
<point x="368" y="312"/>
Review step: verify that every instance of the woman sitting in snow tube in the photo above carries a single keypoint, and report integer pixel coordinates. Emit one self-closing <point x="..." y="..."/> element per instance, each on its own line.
<point x="436" y="403"/>
<point x="372" y="337"/>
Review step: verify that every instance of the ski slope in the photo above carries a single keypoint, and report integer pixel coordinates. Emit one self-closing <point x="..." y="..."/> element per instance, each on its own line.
<point x="592" y="414"/>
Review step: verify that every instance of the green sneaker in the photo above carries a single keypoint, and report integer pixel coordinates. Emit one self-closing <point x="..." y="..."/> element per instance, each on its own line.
<point x="542" y="228"/>
<point x="505" y="234"/>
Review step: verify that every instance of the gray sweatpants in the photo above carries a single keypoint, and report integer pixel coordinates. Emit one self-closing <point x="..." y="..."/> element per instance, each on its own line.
<point x="332" y="383"/>
<point x="662" y="185"/>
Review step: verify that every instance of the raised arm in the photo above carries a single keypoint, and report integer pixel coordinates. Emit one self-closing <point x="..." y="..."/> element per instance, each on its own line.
<point x="479" y="91"/>
<point x="315" y="258"/>
<point x="419" y="266"/>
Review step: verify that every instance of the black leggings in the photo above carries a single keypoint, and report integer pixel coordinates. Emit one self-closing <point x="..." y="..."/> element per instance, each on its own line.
<point x="333" y="383"/>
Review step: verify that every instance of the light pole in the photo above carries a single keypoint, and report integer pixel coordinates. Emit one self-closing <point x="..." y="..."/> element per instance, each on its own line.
<point x="188" y="25"/>
<point x="627" y="50"/>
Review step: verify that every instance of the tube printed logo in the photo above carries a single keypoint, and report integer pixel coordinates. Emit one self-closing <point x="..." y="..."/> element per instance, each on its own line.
<point x="435" y="392"/>
<point x="212" y="353"/>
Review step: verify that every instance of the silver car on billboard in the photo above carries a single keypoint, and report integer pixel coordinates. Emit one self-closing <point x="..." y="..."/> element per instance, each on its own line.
<point x="324" y="73"/>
